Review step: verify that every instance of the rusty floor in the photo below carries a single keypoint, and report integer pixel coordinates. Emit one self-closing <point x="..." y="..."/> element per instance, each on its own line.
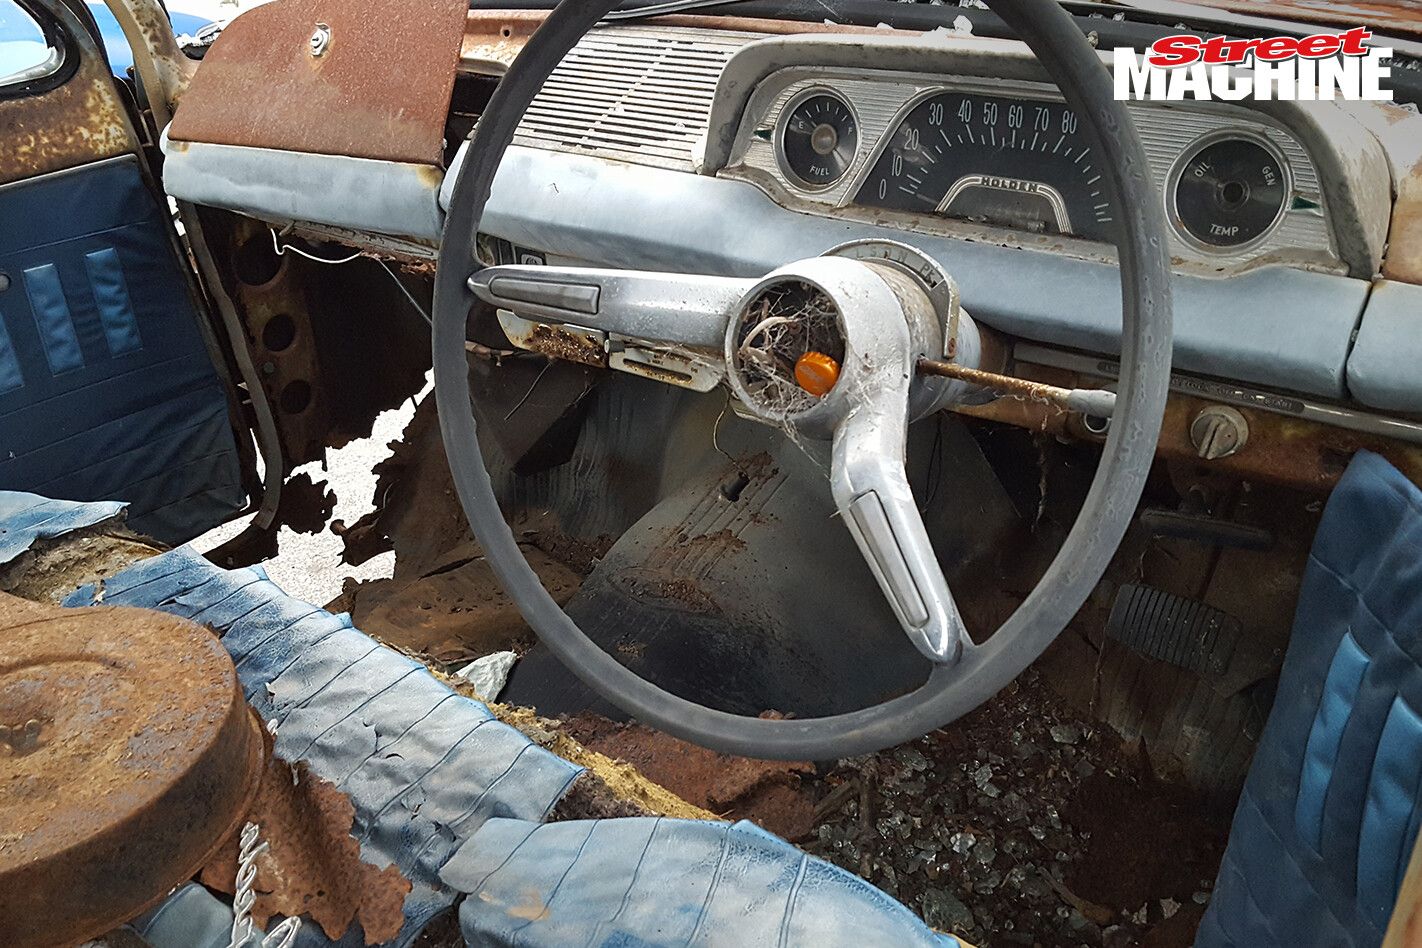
<point x="1024" y="823"/>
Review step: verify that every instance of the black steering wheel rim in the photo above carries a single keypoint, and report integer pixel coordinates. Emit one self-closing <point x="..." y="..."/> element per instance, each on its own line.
<point x="950" y="691"/>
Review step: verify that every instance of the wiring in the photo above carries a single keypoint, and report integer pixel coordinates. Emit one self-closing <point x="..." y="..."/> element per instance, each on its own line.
<point x="276" y="244"/>
<point x="281" y="251"/>
<point x="536" y="379"/>
<point x="404" y="289"/>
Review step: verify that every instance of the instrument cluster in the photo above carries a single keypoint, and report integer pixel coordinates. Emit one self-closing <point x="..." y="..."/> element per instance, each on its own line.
<point x="1012" y="158"/>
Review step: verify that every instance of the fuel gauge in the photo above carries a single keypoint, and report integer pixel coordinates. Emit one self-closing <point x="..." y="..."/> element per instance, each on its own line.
<point x="818" y="140"/>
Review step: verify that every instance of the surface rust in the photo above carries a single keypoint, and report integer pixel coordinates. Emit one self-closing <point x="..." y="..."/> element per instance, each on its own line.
<point x="458" y="610"/>
<point x="559" y="343"/>
<point x="1404" y="239"/>
<point x="768" y="793"/>
<point x="53" y="568"/>
<point x="163" y="70"/>
<point x="494" y="38"/>
<point x="1282" y="449"/>
<point x="312" y="864"/>
<point x="81" y="121"/>
<point x="381" y="90"/>
<point x="130" y="755"/>
<point x="1001" y="383"/>
<point x="1399" y="17"/>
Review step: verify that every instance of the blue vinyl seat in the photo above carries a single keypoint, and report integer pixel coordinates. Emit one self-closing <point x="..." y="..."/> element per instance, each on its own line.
<point x="1326" y="823"/>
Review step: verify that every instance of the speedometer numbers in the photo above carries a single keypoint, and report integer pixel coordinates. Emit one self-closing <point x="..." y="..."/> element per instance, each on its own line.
<point x="818" y="140"/>
<point x="1019" y="163"/>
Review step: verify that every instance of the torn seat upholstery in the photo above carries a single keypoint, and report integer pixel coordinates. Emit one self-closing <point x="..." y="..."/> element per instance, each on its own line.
<point x="459" y="801"/>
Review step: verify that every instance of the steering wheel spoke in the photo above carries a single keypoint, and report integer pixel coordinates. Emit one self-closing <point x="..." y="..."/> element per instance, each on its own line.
<point x="873" y="496"/>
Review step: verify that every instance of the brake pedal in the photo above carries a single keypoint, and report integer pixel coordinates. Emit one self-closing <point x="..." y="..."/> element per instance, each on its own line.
<point x="1183" y="632"/>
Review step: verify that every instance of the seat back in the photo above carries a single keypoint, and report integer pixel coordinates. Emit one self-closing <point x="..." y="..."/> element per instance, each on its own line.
<point x="1329" y="812"/>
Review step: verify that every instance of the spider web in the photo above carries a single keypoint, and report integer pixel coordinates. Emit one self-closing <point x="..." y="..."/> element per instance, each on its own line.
<point x="781" y="325"/>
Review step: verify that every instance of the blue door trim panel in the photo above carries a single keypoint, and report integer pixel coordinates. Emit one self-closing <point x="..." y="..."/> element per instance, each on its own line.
<point x="11" y="377"/>
<point x="107" y="388"/>
<point x="111" y="295"/>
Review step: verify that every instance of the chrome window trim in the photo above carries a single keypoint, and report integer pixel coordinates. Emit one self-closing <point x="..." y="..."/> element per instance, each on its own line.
<point x="42" y="70"/>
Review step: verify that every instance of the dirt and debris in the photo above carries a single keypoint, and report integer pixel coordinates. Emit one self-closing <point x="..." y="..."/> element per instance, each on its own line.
<point x="457" y="611"/>
<point x="1023" y="824"/>
<point x="768" y="793"/>
<point x="621" y="779"/>
<point x="53" y="568"/>
<point x="578" y="555"/>
<point x="591" y="798"/>
<point x="312" y="865"/>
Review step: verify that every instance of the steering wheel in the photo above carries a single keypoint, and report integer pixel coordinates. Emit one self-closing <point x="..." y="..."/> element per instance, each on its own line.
<point x="863" y="324"/>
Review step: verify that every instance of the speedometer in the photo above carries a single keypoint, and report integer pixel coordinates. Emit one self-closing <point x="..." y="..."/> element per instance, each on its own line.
<point x="1007" y="162"/>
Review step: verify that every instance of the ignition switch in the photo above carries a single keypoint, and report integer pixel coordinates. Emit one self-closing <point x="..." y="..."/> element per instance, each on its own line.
<point x="1218" y="432"/>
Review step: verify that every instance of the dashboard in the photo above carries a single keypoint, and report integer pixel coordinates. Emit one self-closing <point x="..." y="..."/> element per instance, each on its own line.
<point x="705" y="150"/>
<point x="952" y="135"/>
<point x="1010" y="160"/>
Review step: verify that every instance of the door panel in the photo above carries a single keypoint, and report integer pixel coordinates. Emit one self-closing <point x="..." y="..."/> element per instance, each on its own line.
<point x="107" y="387"/>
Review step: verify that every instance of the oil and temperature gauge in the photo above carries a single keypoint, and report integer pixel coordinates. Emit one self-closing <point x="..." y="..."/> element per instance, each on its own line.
<point x="1229" y="192"/>
<point x="818" y="140"/>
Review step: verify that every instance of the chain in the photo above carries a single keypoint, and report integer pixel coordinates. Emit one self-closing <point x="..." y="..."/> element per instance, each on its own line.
<point x="243" y="933"/>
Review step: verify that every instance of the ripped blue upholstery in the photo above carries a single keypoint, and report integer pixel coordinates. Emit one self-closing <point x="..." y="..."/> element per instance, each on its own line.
<point x="1328" y="816"/>
<point x="107" y="390"/>
<point x="25" y="518"/>
<point x="457" y="799"/>
<point x="663" y="883"/>
<point x="424" y="767"/>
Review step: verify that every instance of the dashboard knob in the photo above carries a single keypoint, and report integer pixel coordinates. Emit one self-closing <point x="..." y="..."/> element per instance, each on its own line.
<point x="1218" y="432"/>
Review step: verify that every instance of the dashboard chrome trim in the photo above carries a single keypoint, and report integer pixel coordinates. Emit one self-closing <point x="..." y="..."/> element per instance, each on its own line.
<point x="883" y="99"/>
<point x="1230" y="394"/>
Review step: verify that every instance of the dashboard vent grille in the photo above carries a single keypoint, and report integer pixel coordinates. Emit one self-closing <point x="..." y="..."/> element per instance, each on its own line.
<point x="637" y="94"/>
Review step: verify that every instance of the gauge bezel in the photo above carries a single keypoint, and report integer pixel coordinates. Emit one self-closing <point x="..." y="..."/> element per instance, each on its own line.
<point x="1189" y="153"/>
<point x="782" y="124"/>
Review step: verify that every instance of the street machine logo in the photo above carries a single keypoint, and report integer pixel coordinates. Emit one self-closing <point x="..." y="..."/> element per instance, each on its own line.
<point x="1324" y="66"/>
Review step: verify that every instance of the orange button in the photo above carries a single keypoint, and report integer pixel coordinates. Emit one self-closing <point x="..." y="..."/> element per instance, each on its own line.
<point x="816" y="372"/>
